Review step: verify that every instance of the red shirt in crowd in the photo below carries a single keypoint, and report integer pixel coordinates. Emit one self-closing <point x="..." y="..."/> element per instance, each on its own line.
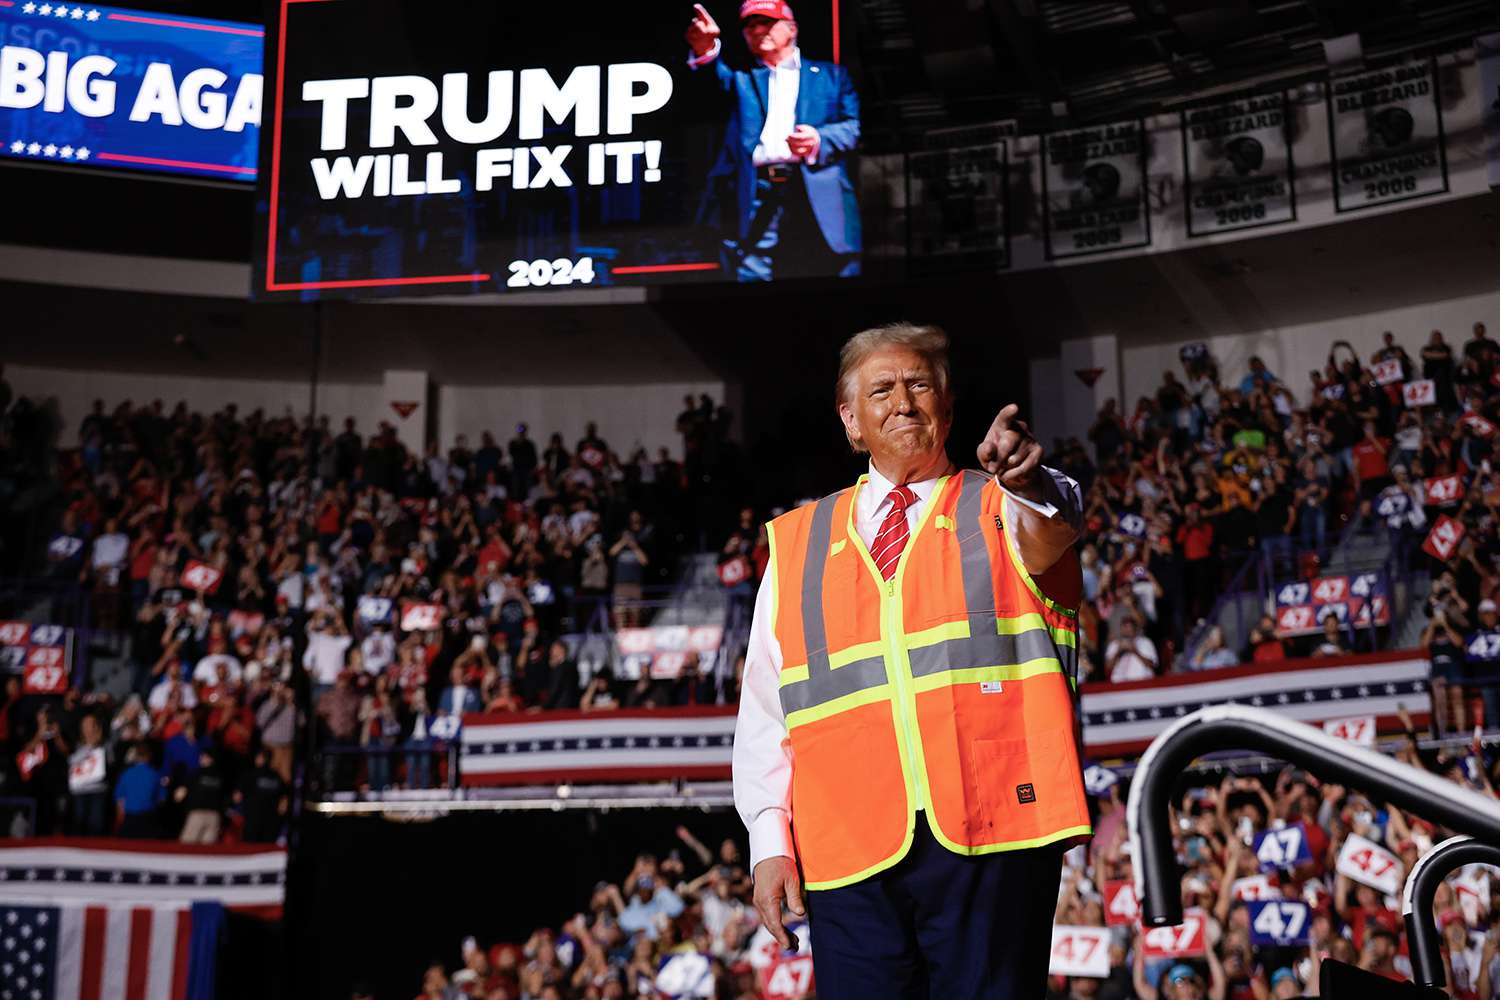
<point x="1369" y="459"/>
<point x="1196" y="540"/>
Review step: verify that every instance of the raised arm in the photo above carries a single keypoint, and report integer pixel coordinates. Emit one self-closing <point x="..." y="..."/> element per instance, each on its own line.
<point x="1047" y="518"/>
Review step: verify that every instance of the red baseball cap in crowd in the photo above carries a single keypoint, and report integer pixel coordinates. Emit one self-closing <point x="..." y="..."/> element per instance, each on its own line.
<point x="777" y="10"/>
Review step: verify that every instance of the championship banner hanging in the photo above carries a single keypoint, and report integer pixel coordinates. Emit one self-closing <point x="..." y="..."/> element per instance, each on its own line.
<point x="1487" y="54"/>
<point x="956" y="209"/>
<point x="1386" y="132"/>
<point x="1238" y="165"/>
<point x="1094" y="197"/>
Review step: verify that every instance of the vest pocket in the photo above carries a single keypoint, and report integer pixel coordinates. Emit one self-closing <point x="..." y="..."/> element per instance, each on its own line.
<point x="1023" y="787"/>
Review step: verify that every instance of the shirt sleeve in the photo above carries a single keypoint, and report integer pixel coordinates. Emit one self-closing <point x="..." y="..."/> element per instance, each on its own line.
<point x="1060" y="495"/>
<point x="762" y="749"/>
<point x="695" y="62"/>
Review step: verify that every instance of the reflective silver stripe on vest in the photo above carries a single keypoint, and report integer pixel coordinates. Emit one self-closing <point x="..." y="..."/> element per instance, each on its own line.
<point x="990" y="650"/>
<point x="984" y="647"/>
<point x="824" y="683"/>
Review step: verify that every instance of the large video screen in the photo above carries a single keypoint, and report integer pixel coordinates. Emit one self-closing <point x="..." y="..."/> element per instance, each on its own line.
<point x="111" y="88"/>
<point x="482" y="147"/>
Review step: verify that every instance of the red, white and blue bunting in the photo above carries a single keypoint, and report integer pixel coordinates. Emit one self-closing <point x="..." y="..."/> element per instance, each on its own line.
<point x="141" y="872"/>
<point x="1121" y="719"/>
<point x="1118" y="720"/>
<point x="623" y="746"/>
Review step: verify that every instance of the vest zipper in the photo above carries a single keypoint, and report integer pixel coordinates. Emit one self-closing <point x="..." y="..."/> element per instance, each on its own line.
<point x="893" y="626"/>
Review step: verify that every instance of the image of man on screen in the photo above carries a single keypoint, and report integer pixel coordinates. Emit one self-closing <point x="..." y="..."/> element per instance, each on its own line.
<point x="793" y="126"/>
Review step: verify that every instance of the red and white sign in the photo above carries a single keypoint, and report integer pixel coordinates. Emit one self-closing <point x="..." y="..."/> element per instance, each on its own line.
<point x="29" y="760"/>
<point x="1386" y="372"/>
<point x="788" y="978"/>
<point x="1180" y="941"/>
<point x="1442" y="541"/>
<point x="1419" y="392"/>
<point x="421" y="617"/>
<point x="1302" y="605"/>
<point x="1253" y="887"/>
<point x="87" y="772"/>
<point x="202" y="577"/>
<point x="1472" y="887"/>
<point x="1359" y="729"/>
<point x="1477" y="425"/>
<point x="734" y="572"/>
<point x="664" y="650"/>
<point x="1367" y="862"/>
<point x="14" y="633"/>
<point x="404" y="408"/>
<point x="1443" y="491"/>
<point x="45" y="672"/>
<point x="1079" y="951"/>
<point x="1120" y="904"/>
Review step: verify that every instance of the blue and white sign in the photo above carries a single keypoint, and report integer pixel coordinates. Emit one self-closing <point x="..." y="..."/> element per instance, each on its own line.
<point x="1279" y="921"/>
<point x="1282" y="848"/>
<point x="129" y="89"/>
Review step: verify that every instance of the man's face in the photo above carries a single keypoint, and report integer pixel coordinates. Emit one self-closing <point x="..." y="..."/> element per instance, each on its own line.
<point x="766" y="37"/>
<point x="896" y="410"/>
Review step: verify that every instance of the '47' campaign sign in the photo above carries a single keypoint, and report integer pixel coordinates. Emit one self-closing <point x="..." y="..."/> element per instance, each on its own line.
<point x="1278" y="922"/>
<point x="1080" y="951"/>
<point x="1367" y="862"/>
<point x="1442" y="541"/>
<point x="1120" y="905"/>
<point x="1179" y="941"/>
<point x="45" y="671"/>
<point x="1283" y="848"/>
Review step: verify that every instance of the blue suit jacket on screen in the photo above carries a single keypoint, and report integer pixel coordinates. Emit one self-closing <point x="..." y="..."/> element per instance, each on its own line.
<point x="826" y="100"/>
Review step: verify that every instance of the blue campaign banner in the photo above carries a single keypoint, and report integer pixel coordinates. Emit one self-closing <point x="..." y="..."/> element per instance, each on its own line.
<point x="126" y="89"/>
<point x="1279" y="921"/>
<point x="1285" y="847"/>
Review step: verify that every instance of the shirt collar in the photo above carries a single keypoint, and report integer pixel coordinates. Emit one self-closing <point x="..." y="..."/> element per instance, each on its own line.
<point x="793" y="61"/>
<point x="881" y="487"/>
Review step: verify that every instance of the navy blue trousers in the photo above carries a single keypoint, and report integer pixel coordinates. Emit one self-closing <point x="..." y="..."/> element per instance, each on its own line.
<point x="939" y="925"/>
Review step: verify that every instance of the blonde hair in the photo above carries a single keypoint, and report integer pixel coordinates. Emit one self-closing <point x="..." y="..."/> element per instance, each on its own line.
<point x="928" y="341"/>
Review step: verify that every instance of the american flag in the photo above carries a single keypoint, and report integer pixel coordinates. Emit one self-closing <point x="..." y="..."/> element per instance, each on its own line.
<point x="99" y="952"/>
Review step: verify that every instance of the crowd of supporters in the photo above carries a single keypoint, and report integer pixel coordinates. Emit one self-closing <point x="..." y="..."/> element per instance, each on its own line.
<point x="246" y="556"/>
<point x="1210" y="472"/>
<point x="631" y="937"/>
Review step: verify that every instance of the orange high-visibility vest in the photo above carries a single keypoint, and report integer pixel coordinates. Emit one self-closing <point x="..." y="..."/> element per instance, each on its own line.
<point x="946" y="689"/>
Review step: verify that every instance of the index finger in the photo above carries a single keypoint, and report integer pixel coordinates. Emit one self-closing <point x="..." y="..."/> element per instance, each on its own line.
<point x="703" y="13"/>
<point x="1007" y="414"/>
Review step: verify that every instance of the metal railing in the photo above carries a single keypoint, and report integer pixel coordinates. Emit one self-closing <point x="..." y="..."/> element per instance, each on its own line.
<point x="1384" y="779"/>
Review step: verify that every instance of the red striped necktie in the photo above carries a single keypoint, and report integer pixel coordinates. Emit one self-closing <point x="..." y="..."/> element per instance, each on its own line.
<point x="890" y="540"/>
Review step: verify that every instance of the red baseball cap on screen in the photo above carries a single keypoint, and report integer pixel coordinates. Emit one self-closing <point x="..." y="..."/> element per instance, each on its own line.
<point x="775" y="9"/>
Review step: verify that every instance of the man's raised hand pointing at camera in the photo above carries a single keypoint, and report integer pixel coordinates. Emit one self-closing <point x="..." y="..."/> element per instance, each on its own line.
<point x="703" y="32"/>
<point x="1010" y="452"/>
<point x="1013" y="455"/>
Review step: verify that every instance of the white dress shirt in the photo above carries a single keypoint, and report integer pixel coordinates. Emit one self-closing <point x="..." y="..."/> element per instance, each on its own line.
<point x="762" y="748"/>
<point x="781" y="112"/>
<point x="782" y="88"/>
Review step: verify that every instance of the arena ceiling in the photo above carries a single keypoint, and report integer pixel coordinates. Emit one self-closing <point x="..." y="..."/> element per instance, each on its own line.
<point x="1047" y="63"/>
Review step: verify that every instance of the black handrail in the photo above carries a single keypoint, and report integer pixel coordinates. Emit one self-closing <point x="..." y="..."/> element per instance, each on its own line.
<point x="1240" y="726"/>
<point x="1416" y="901"/>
